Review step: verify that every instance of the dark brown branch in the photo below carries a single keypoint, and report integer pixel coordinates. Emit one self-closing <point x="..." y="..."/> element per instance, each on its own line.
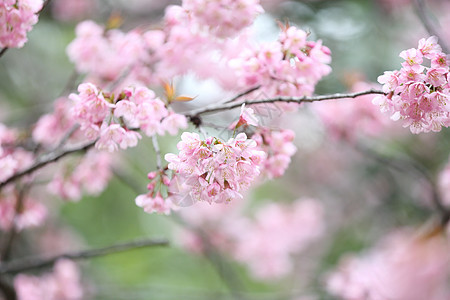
<point x="194" y="114"/>
<point x="26" y="264"/>
<point x="46" y="159"/>
<point x="10" y="235"/>
<point x="7" y="290"/>
<point x="228" y="106"/>
<point x="423" y="14"/>
<point x="3" y="51"/>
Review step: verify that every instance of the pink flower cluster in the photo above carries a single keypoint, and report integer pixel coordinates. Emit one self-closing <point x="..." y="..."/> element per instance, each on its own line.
<point x="153" y="201"/>
<point x="107" y="55"/>
<point x="73" y="10"/>
<point x="17" y="18"/>
<point x="279" y="148"/>
<point x="52" y="127"/>
<point x="31" y="213"/>
<point x="12" y="158"/>
<point x="418" y="94"/>
<point x="212" y="170"/>
<point x="291" y="66"/>
<point x="278" y="232"/>
<point x="264" y="243"/>
<point x="91" y="174"/>
<point x="223" y="18"/>
<point x="64" y="283"/>
<point x="405" y="266"/>
<point x="114" y="120"/>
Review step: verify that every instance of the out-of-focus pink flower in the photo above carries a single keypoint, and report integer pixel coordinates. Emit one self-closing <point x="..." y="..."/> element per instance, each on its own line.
<point x="31" y="214"/>
<point x="64" y="283"/>
<point x="352" y="118"/>
<point x="91" y="175"/>
<point x="228" y="17"/>
<point x="279" y="148"/>
<point x="403" y="266"/>
<point x="278" y="232"/>
<point x="72" y="10"/>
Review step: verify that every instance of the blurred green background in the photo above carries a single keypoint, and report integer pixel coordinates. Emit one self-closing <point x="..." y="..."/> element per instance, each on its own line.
<point x="365" y="38"/>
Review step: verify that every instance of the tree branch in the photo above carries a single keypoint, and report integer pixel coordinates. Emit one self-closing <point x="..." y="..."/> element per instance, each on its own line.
<point x="26" y="264"/>
<point x="408" y="164"/>
<point x="421" y="11"/>
<point x="228" y="106"/>
<point x="243" y="94"/>
<point x="3" y="51"/>
<point x="44" y="160"/>
<point x="194" y="114"/>
<point x="157" y="152"/>
<point x="7" y="243"/>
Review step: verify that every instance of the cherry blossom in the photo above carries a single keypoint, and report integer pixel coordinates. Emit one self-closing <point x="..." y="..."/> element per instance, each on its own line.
<point x="17" y="19"/>
<point x="402" y="266"/>
<point x="64" y="283"/>
<point x="212" y="170"/>
<point x="418" y="95"/>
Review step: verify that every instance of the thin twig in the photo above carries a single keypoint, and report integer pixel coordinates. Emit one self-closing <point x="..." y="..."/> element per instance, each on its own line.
<point x="223" y="269"/>
<point x="10" y="235"/>
<point x="127" y="180"/>
<point x="3" y="51"/>
<point x="44" y="160"/>
<point x="157" y="152"/>
<point x="31" y="263"/>
<point x="228" y="106"/>
<point x="408" y="164"/>
<point x="70" y="83"/>
<point x="423" y="14"/>
<point x="67" y="136"/>
<point x="46" y="3"/>
<point x="243" y="94"/>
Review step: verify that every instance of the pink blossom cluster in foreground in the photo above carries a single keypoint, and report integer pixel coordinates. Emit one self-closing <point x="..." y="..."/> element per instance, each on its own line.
<point x="279" y="148"/>
<point x="404" y="266"/>
<point x="213" y="170"/>
<point x="16" y="20"/>
<point x="265" y="243"/>
<point x="114" y="120"/>
<point x="223" y="18"/>
<point x="64" y="283"/>
<point x="209" y="170"/>
<point x="419" y="93"/>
